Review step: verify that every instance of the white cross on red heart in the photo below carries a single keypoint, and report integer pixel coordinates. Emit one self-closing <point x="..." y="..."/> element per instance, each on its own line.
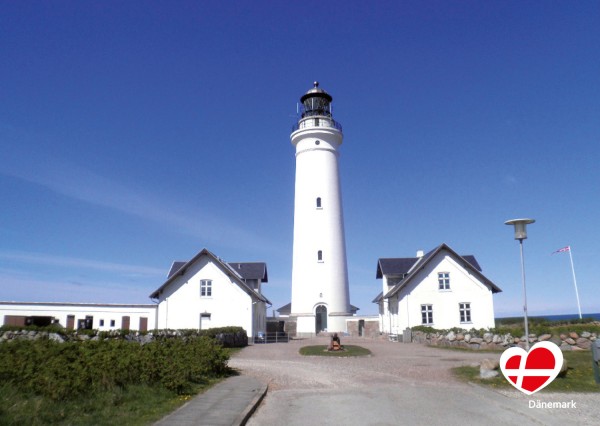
<point x="533" y="371"/>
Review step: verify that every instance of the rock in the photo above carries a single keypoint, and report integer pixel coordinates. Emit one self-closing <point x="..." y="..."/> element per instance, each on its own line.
<point x="460" y="337"/>
<point x="83" y="337"/>
<point x="564" y="346"/>
<point x="496" y="339"/>
<point x="467" y="337"/>
<point x="563" y="336"/>
<point x="570" y="341"/>
<point x="584" y="343"/>
<point x="577" y="348"/>
<point x="516" y="340"/>
<point x="477" y="340"/>
<point x="56" y="337"/>
<point x="488" y="337"/>
<point x="586" y="334"/>
<point x="573" y="335"/>
<point x="451" y="336"/>
<point x="544" y="337"/>
<point x="489" y="364"/>
<point x="563" y="369"/>
<point x="474" y="345"/>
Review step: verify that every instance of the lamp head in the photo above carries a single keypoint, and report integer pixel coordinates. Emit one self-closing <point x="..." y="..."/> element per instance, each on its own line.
<point x="520" y="227"/>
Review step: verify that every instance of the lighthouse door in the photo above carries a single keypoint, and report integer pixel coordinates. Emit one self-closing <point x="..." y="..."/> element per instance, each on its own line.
<point x="321" y="319"/>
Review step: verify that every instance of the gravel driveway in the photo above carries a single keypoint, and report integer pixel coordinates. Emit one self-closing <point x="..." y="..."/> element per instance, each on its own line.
<point x="398" y="384"/>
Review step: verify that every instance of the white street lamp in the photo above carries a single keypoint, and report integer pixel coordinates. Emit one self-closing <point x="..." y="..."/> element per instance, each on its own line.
<point x="521" y="234"/>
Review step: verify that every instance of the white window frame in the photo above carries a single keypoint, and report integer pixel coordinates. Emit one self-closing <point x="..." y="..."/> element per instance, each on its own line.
<point x="464" y="309"/>
<point x="443" y="281"/>
<point x="205" y="288"/>
<point x="426" y="314"/>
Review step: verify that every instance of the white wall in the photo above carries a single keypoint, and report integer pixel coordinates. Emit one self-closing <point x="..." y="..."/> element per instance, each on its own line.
<point x="107" y="313"/>
<point x="181" y="306"/>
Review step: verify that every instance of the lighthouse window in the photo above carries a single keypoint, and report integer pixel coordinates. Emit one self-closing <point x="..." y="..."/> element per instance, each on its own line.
<point x="317" y="142"/>
<point x="320" y="255"/>
<point x="319" y="202"/>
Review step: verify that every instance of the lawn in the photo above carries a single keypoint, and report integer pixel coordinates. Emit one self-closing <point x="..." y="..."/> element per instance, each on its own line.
<point x="579" y="377"/>
<point x="321" y="350"/>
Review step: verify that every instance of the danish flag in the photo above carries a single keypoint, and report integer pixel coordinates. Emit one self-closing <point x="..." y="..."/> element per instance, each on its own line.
<point x="562" y="250"/>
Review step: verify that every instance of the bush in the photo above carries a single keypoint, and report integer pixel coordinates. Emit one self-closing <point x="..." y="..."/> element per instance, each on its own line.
<point x="64" y="370"/>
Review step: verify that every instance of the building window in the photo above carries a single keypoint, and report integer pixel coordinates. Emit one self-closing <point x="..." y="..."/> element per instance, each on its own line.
<point x="426" y="314"/>
<point x="101" y="323"/>
<point x="320" y="255"/>
<point x="319" y="203"/>
<point x="112" y="323"/>
<point x="444" y="280"/>
<point x="205" y="288"/>
<point x="465" y="312"/>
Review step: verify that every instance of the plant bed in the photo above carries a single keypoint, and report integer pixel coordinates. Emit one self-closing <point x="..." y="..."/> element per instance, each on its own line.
<point x="347" y="351"/>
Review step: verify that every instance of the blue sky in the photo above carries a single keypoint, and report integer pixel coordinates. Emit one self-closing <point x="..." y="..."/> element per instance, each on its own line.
<point x="136" y="133"/>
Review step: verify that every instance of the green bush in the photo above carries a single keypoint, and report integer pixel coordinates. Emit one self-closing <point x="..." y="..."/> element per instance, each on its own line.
<point x="64" y="370"/>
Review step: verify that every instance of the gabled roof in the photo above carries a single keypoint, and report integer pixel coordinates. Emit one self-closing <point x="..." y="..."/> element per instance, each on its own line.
<point x="246" y="270"/>
<point x="179" y="268"/>
<point x="409" y="267"/>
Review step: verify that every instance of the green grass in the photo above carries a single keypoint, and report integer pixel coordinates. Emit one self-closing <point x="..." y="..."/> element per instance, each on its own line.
<point x="321" y="350"/>
<point x="579" y="377"/>
<point x="135" y="405"/>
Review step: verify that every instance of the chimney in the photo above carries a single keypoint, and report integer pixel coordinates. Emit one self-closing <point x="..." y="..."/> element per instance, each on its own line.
<point x="420" y="253"/>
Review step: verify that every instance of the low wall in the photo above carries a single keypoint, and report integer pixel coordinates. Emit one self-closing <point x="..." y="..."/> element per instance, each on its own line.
<point x="571" y="341"/>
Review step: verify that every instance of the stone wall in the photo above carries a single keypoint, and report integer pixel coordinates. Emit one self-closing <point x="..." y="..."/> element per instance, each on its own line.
<point x="370" y="328"/>
<point x="571" y="341"/>
<point x="228" y="339"/>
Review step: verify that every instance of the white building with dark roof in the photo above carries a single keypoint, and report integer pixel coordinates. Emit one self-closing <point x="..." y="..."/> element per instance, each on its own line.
<point x="204" y="292"/>
<point x="440" y="289"/>
<point x="207" y="292"/>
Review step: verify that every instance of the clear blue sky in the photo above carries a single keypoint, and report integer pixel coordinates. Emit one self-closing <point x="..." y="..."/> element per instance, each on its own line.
<point x="136" y="133"/>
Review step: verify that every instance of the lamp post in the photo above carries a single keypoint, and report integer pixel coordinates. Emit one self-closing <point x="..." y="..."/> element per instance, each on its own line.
<point x="521" y="234"/>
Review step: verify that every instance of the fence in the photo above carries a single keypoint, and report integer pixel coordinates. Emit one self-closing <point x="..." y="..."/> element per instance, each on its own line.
<point x="275" y="337"/>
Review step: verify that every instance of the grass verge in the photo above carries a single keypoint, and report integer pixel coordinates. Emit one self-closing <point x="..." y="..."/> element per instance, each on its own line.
<point x="134" y="405"/>
<point x="321" y="350"/>
<point x="579" y="377"/>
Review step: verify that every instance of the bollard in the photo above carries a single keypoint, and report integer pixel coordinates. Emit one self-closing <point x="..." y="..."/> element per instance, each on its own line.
<point x="596" y="359"/>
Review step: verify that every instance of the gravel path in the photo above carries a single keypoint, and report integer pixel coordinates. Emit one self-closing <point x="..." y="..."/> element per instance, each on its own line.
<point x="408" y="382"/>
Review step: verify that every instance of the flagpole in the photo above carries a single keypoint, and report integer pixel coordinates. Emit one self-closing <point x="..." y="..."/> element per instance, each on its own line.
<point x="574" y="281"/>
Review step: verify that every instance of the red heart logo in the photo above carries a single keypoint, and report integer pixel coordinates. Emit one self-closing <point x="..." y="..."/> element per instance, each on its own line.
<point x="533" y="371"/>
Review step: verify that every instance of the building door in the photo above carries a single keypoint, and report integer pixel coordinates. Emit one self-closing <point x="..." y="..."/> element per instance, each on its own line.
<point x="361" y="328"/>
<point x="125" y="323"/>
<point x="70" y="322"/>
<point x="143" y="324"/>
<point x="320" y="318"/>
<point x="204" y="321"/>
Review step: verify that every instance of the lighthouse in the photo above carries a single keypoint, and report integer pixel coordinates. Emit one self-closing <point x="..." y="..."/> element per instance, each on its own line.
<point x="320" y="293"/>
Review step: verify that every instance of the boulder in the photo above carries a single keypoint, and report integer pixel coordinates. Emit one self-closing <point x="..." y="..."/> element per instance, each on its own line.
<point x="488" y="337"/>
<point x="563" y="336"/>
<point x="467" y="337"/>
<point x="477" y="340"/>
<point x="564" y="346"/>
<point x="460" y="337"/>
<point x="570" y="341"/>
<point x="451" y="336"/>
<point x="573" y="335"/>
<point x="577" y="348"/>
<point x="489" y="364"/>
<point x="584" y="343"/>
<point x="487" y="374"/>
<point x="586" y="334"/>
<point x="563" y="369"/>
<point x="496" y="339"/>
<point x="544" y="337"/>
<point x="56" y="337"/>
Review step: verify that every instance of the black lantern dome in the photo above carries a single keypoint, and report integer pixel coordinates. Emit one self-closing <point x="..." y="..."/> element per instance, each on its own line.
<point x="316" y="102"/>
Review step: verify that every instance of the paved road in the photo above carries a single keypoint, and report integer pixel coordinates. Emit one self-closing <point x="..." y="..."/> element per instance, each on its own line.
<point x="400" y="384"/>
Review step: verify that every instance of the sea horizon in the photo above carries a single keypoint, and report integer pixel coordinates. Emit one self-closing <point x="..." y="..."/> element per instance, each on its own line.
<point x="561" y="317"/>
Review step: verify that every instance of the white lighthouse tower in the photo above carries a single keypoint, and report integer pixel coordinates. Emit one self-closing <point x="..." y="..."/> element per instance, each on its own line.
<point x="320" y="294"/>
